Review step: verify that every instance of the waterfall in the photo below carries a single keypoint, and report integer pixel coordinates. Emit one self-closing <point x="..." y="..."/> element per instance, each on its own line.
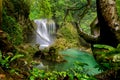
<point x="45" y="32"/>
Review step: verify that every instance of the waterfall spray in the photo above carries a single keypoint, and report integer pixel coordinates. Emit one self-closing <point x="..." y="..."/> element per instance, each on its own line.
<point x="45" y="32"/>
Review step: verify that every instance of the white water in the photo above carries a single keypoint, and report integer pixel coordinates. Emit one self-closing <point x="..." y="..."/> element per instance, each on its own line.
<point x="45" y="32"/>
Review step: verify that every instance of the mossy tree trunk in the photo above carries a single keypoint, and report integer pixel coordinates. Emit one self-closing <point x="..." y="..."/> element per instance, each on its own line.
<point x="108" y="21"/>
<point x="108" y="33"/>
<point x="0" y="12"/>
<point x="109" y="25"/>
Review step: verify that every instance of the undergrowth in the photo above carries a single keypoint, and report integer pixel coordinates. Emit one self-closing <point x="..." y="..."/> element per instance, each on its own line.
<point x="76" y="73"/>
<point x="107" y="56"/>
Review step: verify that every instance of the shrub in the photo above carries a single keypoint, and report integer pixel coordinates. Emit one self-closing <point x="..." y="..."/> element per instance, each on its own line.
<point x="10" y="25"/>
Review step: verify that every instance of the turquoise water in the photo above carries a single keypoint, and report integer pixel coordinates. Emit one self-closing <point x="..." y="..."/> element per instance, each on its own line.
<point x="71" y="56"/>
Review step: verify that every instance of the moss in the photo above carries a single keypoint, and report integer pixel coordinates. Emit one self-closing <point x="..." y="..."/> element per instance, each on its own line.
<point x="15" y="20"/>
<point x="67" y="37"/>
<point x="14" y="30"/>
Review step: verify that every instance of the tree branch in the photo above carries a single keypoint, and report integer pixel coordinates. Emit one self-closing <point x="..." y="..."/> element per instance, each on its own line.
<point x="89" y="38"/>
<point x="74" y="8"/>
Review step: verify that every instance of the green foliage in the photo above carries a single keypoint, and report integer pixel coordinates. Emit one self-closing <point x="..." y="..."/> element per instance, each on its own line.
<point x="40" y="9"/>
<point x="41" y="74"/>
<point x="5" y="62"/>
<point x="48" y="9"/>
<point x="100" y="46"/>
<point x="69" y="33"/>
<point x="35" y="73"/>
<point x="11" y="26"/>
<point x="74" y="73"/>
<point x="108" y="56"/>
<point x="118" y="6"/>
<point x="79" y="71"/>
<point x="22" y="7"/>
<point x="86" y="21"/>
<point x="16" y="57"/>
<point x="58" y="10"/>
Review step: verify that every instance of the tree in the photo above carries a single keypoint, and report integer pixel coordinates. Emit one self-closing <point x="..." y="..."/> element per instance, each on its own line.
<point x="0" y="11"/>
<point x="108" y="33"/>
<point x="109" y="24"/>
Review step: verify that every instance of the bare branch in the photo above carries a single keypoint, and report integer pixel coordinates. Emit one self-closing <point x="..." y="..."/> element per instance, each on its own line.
<point x="86" y="37"/>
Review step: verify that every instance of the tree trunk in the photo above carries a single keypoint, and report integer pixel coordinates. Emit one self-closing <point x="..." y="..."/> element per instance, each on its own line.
<point x="0" y="13"/>
<point x="95" y="28"/>
<point x="109" y="25"/>
<point x="108" y="21"/>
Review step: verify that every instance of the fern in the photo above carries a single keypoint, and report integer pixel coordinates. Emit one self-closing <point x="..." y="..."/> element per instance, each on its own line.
<point x="101" y="46"/>
<point x="5" y="62"/>
<point x="118" y="47"/>
<point x="108" y="59"/>
<point x="16" y="56"/>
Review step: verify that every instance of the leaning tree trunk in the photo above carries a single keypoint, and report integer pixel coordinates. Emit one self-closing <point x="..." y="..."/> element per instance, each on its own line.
<point x="109" y="33"/>
<point x="0" y="12"/>
<point x="108" y="21"/>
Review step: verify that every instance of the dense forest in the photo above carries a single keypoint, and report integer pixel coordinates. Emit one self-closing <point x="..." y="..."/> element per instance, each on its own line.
<point x="59" y="39"/>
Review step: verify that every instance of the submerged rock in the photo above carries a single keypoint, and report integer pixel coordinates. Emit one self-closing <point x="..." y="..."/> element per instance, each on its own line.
<point x="41" y="66"/>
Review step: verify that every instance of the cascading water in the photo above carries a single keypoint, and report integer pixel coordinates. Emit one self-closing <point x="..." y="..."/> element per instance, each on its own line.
<point x="45" y="31"/>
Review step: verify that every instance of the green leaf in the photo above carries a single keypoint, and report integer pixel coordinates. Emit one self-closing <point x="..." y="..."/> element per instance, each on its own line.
<point x="32" y="78"/>
<point x="110" y="48"/>
<point x="16" y="56"/>
<point x="0" y="55"/>
<point x="7" y="59"/>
